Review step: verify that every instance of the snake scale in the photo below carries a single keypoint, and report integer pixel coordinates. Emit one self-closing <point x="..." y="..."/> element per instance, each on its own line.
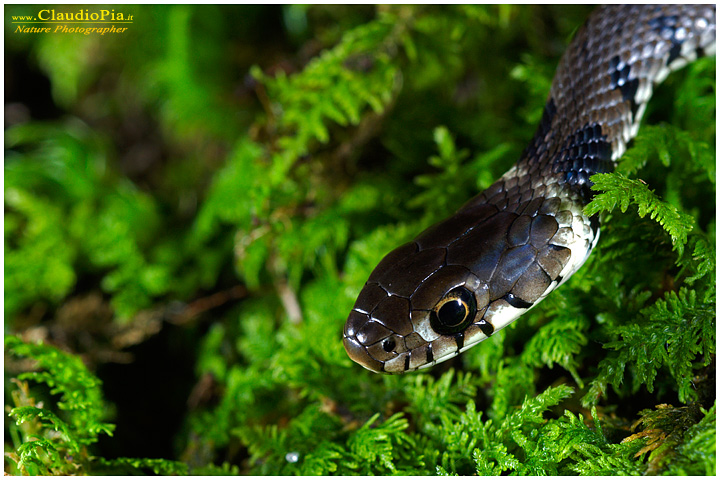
<point x="510" y="246"/>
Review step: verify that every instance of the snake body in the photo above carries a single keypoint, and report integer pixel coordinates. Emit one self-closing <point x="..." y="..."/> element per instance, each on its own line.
<point x="510" y="246"/>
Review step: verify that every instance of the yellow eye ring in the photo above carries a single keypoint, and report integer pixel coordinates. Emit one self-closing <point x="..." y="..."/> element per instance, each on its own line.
<point x="454" y="312"/>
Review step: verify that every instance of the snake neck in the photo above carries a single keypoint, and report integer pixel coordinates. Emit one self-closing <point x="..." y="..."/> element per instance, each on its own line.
<point x="601" y="89"/>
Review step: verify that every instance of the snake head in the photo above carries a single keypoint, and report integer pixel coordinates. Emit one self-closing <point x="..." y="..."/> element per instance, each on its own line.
<point x="415" y="311"/>
<point x="461" y="280"/>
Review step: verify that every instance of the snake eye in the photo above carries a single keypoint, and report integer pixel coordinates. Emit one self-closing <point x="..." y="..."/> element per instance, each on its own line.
<point x="454" y="312"/>
<point x="388" y="344"/>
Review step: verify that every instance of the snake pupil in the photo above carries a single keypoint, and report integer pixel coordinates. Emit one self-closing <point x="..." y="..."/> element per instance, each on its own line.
<point x="454" y="312"/>
<point x="388" y="344"/>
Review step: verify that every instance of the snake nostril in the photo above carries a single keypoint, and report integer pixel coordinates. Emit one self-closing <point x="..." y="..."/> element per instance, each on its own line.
<point x="388" y="344"/>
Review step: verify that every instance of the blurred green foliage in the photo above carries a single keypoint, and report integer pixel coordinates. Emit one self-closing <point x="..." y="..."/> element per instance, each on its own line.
<point x="197" y="152"/>
<point x="57" y="443"/>
<point x="47" y="438"/>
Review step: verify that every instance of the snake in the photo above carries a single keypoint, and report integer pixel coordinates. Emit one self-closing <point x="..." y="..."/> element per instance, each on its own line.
<point x="506" y="249"/>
